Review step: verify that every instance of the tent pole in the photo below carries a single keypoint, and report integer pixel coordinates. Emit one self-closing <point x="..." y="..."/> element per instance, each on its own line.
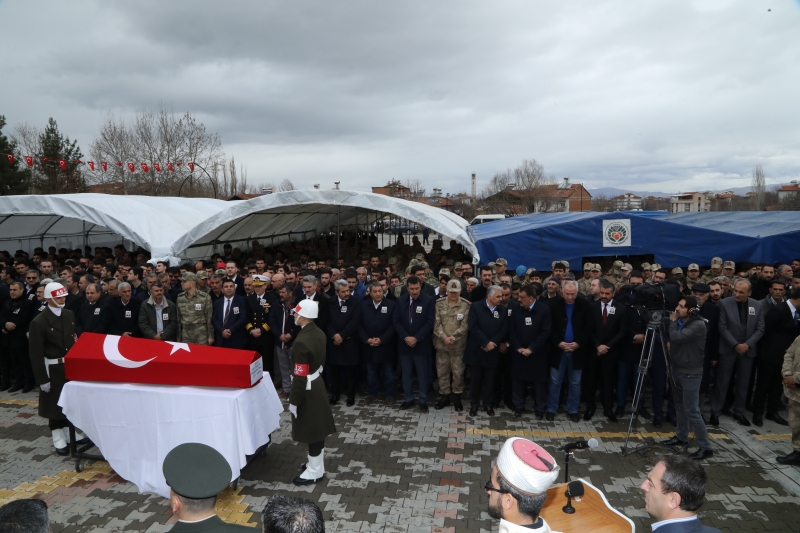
<point x="338" y="233"/>
<point x="357" y="239"/>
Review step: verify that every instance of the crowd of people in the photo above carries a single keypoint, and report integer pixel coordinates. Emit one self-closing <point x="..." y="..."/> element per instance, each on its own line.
<point x="562" y="337"/>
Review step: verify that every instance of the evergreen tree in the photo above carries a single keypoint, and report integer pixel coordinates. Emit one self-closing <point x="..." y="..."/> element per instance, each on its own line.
<point x="13" y="178"/>
<point x="54" y="147"/>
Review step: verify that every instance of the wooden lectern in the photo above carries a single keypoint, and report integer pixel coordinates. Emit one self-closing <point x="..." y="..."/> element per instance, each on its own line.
<point x="593" y="513"/>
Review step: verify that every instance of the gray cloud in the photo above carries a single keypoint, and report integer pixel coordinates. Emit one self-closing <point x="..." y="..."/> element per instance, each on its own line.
<point x="664" y="96"/>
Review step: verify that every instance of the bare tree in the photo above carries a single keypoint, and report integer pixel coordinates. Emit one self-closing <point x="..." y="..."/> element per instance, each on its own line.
<point x="602" y="203"/>
<point x="286" y="185"/>
<point x="759" y="187"/>
<point x="416" y="189"/>
<point x="524" y="189"/>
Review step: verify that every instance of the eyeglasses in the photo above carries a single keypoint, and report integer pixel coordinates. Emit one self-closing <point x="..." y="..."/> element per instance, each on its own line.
<point x="489" y="487"/>
<point x="31" y="278"/>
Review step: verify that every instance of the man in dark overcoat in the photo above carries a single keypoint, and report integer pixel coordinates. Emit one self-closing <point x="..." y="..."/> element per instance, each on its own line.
<point x="344" y="318"/>
<point x="414" y="318"/>
<point x="378" y="348"/>
<point x="308" y="400"/>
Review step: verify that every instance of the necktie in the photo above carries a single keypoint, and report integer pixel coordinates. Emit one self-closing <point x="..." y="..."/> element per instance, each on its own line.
<point x="605" y="314"/>
<point x="410" y="313"/>
<point x="227" y="312"/>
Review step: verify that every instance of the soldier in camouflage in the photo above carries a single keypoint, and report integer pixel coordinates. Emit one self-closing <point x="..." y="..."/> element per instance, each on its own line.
<point x="202" y="282"/>
<point x="615" y="274"/>
<point x="194" y="313"/>
<point x="714" y="272"/>
<point x="500" y="267"/>
<point x="450" y="339"/>
<point x="586" y="280"/>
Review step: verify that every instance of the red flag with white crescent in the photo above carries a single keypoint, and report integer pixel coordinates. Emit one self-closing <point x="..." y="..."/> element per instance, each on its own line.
<point x="104" y="164"/>
<point x="144" y="167"/>
<point x="157" y="166"/>
<point x="131" y="167"/>
<point x="170" y="167"/>
<point x="28" y="160"/>
<point x="97" y="357"/>
<point x="91" y="165"/>
<point x="77" y="161"/>
<point x="10" y="158"/>
<point x="179" y="163"/>
<point x="63" y="164"/>
<point x="44" y="159"/>
<point x="191" y="166"/>
<point x="118" y="163"/>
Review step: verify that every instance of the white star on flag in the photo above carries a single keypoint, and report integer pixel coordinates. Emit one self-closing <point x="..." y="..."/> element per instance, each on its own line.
<point x="178" y="346"/>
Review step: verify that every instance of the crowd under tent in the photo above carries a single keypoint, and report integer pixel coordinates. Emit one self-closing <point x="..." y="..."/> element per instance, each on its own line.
<point x="77" y="220"/>
<point x="303" y="214"/>
<point x="537" y="240"/>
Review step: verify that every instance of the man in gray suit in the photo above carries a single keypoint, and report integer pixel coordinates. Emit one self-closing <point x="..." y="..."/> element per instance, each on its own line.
<point x="741" y="325"/>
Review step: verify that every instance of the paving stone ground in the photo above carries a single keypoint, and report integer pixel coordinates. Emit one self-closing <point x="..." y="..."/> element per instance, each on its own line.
<point x="402" y="471"/>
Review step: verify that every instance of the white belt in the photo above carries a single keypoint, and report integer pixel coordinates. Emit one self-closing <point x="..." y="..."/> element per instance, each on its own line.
<point x="48" y="362"/>
<point x="311" y="377"/>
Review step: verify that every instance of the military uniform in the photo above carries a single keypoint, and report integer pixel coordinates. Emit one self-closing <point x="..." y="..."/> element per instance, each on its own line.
<point x="451" y="321"/>
<point x="194" y="315"/>
<point x="203" y="275"/>
<point x="791" y="367"/>
<point x="495" y="275"/>
<point x="51" y="337"/>
<point x="615" y="274"/>
<point x="709" y="275"/>
<point x="584" y="283"/>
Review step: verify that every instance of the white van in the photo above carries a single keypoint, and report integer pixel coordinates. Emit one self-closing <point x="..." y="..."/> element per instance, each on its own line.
<point x="480" y="219"/>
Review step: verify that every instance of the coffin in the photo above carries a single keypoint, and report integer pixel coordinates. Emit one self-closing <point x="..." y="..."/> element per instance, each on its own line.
<point x="96" y="357"/>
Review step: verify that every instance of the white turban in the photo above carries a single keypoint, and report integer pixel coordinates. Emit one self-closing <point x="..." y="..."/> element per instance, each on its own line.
<point x="526" y="466"/>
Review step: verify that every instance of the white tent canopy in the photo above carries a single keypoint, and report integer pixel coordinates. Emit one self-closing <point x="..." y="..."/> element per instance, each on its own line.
<point x="277" y="217"/>
<point x="77" y="220"/>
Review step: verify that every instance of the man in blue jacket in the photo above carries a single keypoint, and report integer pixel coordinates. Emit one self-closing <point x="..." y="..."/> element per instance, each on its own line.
<point x="378" y="348"/>
<point x="229" y="318"/>
<point x="414" y="317"/>
<point x="488" y="327"/>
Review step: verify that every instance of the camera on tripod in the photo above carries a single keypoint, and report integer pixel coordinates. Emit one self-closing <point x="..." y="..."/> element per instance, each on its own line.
<point x="658" y="299"/>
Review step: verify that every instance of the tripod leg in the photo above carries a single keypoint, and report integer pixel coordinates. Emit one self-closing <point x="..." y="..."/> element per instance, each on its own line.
<point x="641" y="377"/>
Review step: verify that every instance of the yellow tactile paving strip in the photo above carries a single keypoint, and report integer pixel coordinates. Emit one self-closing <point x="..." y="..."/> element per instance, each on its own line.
<point x="602" y="434"/>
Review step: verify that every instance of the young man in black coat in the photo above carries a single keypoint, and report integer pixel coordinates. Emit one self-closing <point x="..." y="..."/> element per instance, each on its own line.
<point x="530" y="326"/>
<point x="344" y="318"/>
<point x="378" y="348"/>
<point x="609" y="327"/>
<point x="414" y="318"/>
<point x="15" y="317"/>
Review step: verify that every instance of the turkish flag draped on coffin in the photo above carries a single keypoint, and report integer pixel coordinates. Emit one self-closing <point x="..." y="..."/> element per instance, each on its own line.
<point x="113" y="358"/>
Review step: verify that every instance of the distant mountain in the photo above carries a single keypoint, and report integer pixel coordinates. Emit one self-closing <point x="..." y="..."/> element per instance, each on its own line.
<point x="610" y="192"/>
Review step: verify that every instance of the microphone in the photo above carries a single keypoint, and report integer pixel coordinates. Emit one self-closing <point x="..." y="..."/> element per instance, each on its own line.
<point x="575" y="488"/>
<point x="580" y="445"/>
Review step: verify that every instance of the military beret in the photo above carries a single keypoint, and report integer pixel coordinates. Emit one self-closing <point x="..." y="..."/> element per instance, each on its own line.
<point x="716" y="261"/>
<point x="701" y="287"/>
<point x="444" y="272"/>
<point x="188" y="276"/>
<point x="458" y="266"/>
<point x="196" y="471"/>
<point x="618" y="265"/>
<point x="588" y="266"/>
<point x="729" y="264"/>
<point x="201" y="274"/>
<point x="655" y="266"/>
<point x="597" y="267"/>
<point x="627" y="266"/>
<point x="423" y="264"/>
<point x="453" y="286"/>
<point x="645" y="266"/>
<point x="693" y="266"/>
<point x="676" y="271"/>
<point x="413" y="262"/>
<point x="220" y="272"/>
<point x="501" y="261"/>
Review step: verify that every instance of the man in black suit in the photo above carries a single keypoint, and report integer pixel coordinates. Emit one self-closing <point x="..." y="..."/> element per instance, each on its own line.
<point x="309" y="288"/>
<point x="529" y="330"/>
<point x="710" y="312"/>
<point x="344" y="318"/>
<point x="609" y="327"/>
<point x="232" y="271"/>
<point x="479" y="293"/>
<point x="487" y="328"/>
<point x="229" y="318"/>
<point x="259" y="334"/>
<point x="15" y="318"/>
<point x="122" y="314"/>
<point x="674" y="490"/>
<point x="426" y="288"/>
<point x="570" y="342"/>
<point x="284" y="331"/>
<point x="414" y="318"/>
<point x="378" y="348"/>
<point x="91" y="318"/>
<point x="780" y="330"/>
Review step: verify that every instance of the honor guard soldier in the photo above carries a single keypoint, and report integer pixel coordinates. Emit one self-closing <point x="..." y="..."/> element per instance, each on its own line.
<point x="312" y="419"/>
<point x="450" y="339"/>
<point x="52" y="334"/>
<point x="194" y="310"/>
<point x="196" y="473"/>
<point x="259" y="335"/>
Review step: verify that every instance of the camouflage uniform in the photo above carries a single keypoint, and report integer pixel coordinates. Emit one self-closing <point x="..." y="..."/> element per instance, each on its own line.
<point x="791" y="367"/>
<point x="615" y="274"/>
<point x="495" y="275"/>
<point x="708" y="275"/>
<point x="584" y="283"/>
<point x="203" y="275"/>
<point x="450" y="358"/>
<point x="194" y="314"/>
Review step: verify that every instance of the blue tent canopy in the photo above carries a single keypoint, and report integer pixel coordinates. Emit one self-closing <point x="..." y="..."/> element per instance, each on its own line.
<point x="538" y="239"/>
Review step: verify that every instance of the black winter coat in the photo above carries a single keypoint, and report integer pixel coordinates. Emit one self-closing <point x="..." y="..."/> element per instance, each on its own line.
<point x="485" y="326"/>
<point x="344" y="320"/>
<point x="377" y="322"/>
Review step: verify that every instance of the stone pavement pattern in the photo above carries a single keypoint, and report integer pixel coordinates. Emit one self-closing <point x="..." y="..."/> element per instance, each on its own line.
<point x="401" y="471"/>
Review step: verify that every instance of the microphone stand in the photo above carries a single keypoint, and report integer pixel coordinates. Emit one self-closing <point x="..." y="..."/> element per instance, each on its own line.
<point x="569" y="509"/>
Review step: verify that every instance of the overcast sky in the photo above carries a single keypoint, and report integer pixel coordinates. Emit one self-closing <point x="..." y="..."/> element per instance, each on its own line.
<point x="668" y="95"/>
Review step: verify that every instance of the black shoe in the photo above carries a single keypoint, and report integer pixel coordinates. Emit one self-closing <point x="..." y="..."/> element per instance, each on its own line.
<point x="758" y="420"/>
<point x="406" y="405"/>
<point x="620" y="412"/>
<point x="775" y="417"/>
<point x="473" y="411"/>
<point x="701" y="454"/>
<point x="508" y="403"/>
<point x="333" y="400"/>
<point x="27" y="388"/>
<point x="63" y="451"/>
<point x="714" y="420"/>
<point x="791" y="459"/>
<point x="490" y="411"/>
<point x="589" y="413"/>
<point x="643" y="412"/>
<point x="4" y="386"/>
<point x="517" y="414"/>
<point x="671" y="420"/>
<point x="423" y="407"/>
<point x="550" y="416"/>
<point x="575" y="417"/>
<point x="15" y="387"/>
<point x="610" y="416"/>
<point x="457" y="403"/>
<point x="674" y="441"/>
<point x="743" y="421"/>
<point x="443" y="402"/>
<point x="301" y="481"/>
<point x="350" y="402"/>
<point x="657" y="423"/>
<point x="539" y="415"/>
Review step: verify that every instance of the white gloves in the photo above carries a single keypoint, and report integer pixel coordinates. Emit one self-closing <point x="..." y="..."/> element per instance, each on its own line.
<point x="292" y="409"/>
<point x="45" y="387"/>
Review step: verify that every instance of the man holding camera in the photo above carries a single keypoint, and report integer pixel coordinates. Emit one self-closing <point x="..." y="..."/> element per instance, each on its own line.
<point x="687" y="339"/>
